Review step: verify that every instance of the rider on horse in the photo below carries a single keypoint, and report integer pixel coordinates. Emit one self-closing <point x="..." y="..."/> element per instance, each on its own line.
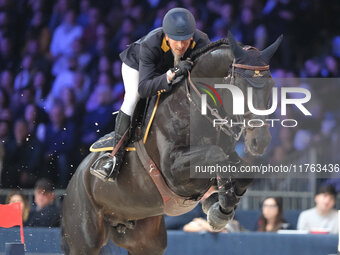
<point x="151" y="65"/>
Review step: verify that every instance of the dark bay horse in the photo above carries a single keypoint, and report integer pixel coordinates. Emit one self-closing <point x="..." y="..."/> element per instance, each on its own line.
<point x="130" y="210"/>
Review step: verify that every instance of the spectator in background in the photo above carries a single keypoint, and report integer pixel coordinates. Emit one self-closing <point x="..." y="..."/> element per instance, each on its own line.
<point x="219" y="29"/>
<point x="103" y="30"/>
<point x="21" y="99"/>
<point x="39" y="30"/>
<point x="6" y="81"/>
<point x="83" y="17"/>
<point x="280" y="18"/>
<point x="312" y="69"/>
<point x="104" y="79"/>
<point x="59" y="11"/>
<point x="90" y="30"/>
<point x="63" y="37"/>
<point x="42" y="87"/>
<point x="5" y="126"/>
<point x="41" y="59"/>
<point x="98" y="118"/>
<point x="17" y="196"/>
<point x="138" y="14"/>
<point x="63" y="79"/>
<point x="5" y="112"/>
<point x="331" y="69"/>
<point x="271" y="219"/>
<point x="59" y="142"/>
<point x="8" y="60"/>
<point x="22" y="158"/>
<point x="247" y="26"/>
<point x="127" y="29"/>
<point x="81" y="86"/>
<point x="323" y="215"/>
<point x="73" y="111"/>
<point x="102" y="49"/>
<point x="83" y="57"/>
<point x="44" y="212"/>
<point x="4" y="23"/>
<point x="35" y="118"/>
<point x="24" y="77"/>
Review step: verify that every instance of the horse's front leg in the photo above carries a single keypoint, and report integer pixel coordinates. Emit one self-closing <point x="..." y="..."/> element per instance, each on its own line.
<point x="230" y="189"/>
<point x="221" y="206"/>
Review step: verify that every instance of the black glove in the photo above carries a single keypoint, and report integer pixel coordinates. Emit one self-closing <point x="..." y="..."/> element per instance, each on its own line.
<point x="182" y="68"/>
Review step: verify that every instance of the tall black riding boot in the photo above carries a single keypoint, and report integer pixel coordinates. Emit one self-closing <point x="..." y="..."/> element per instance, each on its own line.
<point x="106" y="167"/>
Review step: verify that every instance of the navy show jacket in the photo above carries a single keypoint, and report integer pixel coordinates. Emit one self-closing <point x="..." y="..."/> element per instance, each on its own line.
<point x="152" y="57"/>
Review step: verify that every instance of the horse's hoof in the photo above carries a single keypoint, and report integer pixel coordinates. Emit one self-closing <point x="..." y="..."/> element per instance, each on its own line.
<point x="217" y="219"/>
<point x="229" y="199"/>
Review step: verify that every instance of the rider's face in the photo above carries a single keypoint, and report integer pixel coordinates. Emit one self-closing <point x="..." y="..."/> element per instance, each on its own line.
<point x="178" y="47"/>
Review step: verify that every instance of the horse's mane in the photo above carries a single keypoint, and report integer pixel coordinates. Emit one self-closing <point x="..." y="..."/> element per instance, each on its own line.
<point x="199" y="52"/>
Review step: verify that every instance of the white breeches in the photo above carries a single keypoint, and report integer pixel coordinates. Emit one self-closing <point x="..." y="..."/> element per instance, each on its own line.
<point x="131" y="80"/>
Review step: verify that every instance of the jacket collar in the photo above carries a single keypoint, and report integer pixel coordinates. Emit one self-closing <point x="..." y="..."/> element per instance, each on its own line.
<point x="165" y="47"/>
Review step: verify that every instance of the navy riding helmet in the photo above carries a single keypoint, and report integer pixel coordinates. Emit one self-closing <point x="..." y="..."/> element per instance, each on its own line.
<point x="179" y="24"/>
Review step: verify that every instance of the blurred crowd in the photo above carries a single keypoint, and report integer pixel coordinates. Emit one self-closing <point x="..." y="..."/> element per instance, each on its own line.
<point x="60" y="77"/>
<point x="321" y="218"/>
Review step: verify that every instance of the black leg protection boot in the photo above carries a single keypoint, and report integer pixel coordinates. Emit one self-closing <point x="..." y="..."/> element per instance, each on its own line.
<point x="107" y="168"/>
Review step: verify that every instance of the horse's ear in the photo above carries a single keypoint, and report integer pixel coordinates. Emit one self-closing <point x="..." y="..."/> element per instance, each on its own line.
<point x="268" y="52"/>
<point x="235" y="47"/>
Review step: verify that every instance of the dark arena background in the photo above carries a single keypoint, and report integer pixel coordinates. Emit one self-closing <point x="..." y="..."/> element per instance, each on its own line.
<point x="60" y="84"/>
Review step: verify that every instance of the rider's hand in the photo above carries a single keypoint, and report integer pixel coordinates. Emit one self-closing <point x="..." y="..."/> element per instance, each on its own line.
<point x="182" y="68"/>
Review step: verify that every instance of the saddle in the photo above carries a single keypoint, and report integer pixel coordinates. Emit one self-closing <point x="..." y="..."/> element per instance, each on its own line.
<point x="174" y="205"/>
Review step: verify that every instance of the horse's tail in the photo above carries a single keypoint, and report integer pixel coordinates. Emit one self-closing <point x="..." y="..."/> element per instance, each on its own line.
<point x="64" y="245"/>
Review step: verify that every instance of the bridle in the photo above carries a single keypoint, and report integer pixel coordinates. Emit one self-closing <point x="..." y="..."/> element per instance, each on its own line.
<point x="234" y="132"/>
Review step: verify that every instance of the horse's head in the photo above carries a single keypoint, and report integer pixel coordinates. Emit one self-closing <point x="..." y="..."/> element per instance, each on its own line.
<point x="250" y="69"/>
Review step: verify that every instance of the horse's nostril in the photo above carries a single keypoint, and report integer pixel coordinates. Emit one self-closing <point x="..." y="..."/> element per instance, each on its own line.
<point x="254" y="143"/>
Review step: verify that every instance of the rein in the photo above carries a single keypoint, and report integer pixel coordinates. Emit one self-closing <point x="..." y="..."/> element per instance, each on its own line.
<point x="228" y="130"/>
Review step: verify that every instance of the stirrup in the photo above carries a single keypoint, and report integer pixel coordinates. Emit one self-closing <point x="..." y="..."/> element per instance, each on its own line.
<point x="104" y="168"/>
